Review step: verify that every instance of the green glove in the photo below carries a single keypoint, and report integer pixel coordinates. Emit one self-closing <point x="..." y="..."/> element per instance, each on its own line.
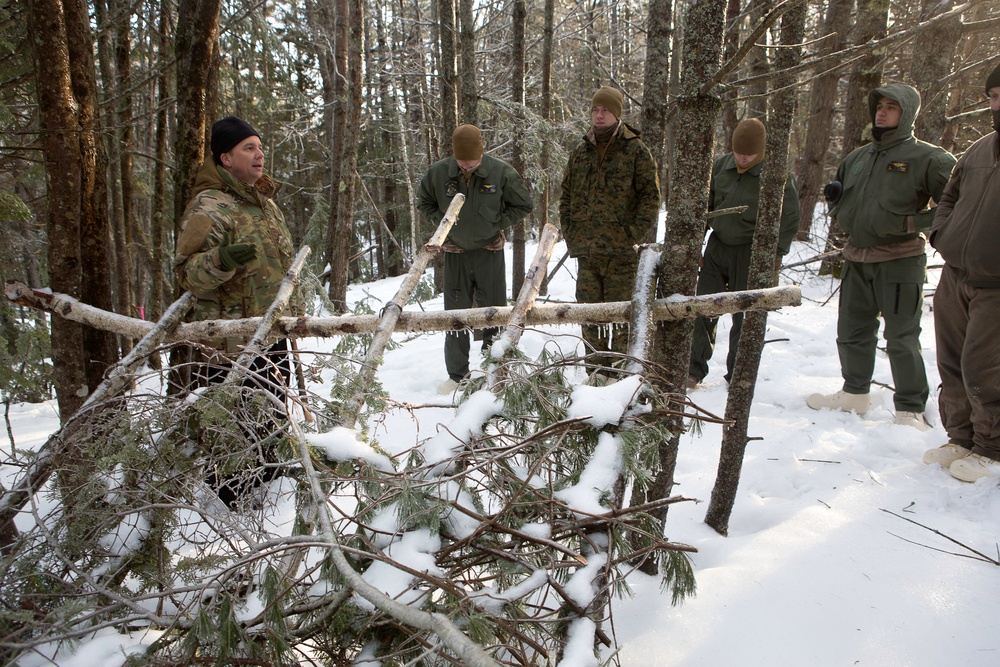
<point x="235" y="255"/>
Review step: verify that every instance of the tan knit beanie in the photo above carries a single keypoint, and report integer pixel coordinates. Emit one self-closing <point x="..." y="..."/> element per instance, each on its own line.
<point x="609" y="98"/>
<point x="467" y="143"/>
<point x="749" y="137"/>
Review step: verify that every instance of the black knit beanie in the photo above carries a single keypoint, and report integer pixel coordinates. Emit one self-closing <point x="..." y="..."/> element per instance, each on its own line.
<point x="993" y="80"/>
<point x="229" y="132"/>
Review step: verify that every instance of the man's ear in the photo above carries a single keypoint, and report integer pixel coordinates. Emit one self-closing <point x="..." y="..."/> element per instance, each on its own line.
<point x="226" y="160"/>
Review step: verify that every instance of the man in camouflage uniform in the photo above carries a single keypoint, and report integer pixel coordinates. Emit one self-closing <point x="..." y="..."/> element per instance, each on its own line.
<point x="736" y="182"/>
<point x="233" y="252"/>
<point x="609" y="203"/>
<point x="883" y="199"/>
<point x="474" y="267"/>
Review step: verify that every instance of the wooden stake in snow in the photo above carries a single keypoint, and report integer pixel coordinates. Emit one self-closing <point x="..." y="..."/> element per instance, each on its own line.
<point x="526" y="299"/>
<point x="393" y="309"/>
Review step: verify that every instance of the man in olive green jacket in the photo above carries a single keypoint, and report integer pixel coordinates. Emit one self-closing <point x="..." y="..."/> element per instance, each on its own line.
<point x="736" y="182"/>
<point x="474" y="266"/>
<point x="609" y="203"/>
<point x="888" y="190"/>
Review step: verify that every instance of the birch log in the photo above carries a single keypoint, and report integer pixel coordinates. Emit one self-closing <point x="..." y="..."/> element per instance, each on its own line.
<point x="526" y="299"/>
<point x="673" y="308"/>
<point x="256" y="345"/>
<point x="45" y="463"/>
<point x="386" y="323"/>
<point x="643" y="298"/>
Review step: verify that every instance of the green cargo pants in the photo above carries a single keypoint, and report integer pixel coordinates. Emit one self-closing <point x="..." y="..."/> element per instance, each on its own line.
<point x="478" y="276"/>
<point x="894" y="290"/>
<point x="726" y="269"/>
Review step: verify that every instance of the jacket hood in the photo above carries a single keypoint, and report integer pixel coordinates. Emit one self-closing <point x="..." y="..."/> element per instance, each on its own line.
<point x="211" y="177"/>
<point x="909" y="100"/>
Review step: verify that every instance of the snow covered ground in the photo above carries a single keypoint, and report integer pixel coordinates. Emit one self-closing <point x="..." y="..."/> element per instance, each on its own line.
<point x="821" y="566"/>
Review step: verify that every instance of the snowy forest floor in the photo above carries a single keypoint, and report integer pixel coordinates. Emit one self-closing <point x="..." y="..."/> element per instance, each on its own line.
<point x="823" y="564"/>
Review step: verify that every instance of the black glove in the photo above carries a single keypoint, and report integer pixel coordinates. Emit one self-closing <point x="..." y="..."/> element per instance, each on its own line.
<point x="832" y="192"/>
<point x="235" y="255"/>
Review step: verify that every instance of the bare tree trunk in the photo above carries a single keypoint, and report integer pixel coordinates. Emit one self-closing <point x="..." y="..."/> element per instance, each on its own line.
<point x="759" y="65"/>
<point x="656" y="83"/>
<point x="160" y="286"/>
<point x="61" y="152"/>
<point x="930" y="67"/>
<point x="197" y="27"/>
<point x="519" y="15"/>
<point x="468" y="72"/>
<point x="688" y="203"/>
<point x="730" y="112"/>
<point x="548" y="32"/>
<point x="765" y="242"/>
<point x="194" y="49"/>
<point x="348" y="48"/>
<point x="872" y="21"/>
<point x="75" y="162"/>
<point x="113" y="57"/>
<point x="448" y="73"/>
<point x="822" y="103"/>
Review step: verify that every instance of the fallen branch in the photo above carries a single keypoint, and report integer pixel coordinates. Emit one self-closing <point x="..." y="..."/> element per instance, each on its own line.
<point x="392" y="310"/>
<point x="980" y="555"/>
<point x="47" y="460"/>
<point x="673" y="308"/>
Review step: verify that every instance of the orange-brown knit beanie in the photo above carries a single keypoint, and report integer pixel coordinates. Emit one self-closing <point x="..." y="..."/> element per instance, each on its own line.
<point x="749" y="137"/>
<point x="609" y="98"/>
<point x="467" y="143"/>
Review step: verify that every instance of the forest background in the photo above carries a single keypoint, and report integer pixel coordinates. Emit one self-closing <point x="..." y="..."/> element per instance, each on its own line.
<point x="105" y="108"/>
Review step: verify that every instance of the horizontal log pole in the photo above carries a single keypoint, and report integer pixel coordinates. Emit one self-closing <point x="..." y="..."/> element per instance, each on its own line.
<point x="673" y="308"/>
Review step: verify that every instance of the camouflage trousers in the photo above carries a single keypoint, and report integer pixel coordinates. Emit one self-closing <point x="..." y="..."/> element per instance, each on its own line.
<point x="600" y="279"/>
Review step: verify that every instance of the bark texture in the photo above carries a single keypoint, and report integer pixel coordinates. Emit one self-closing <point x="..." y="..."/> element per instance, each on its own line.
<point x="772" y="184"/>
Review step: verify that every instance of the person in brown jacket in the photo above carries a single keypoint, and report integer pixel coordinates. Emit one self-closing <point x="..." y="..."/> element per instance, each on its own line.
<point x="966" y="232"/>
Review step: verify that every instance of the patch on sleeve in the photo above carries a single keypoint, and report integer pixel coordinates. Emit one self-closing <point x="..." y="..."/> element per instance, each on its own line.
<point x="901" y="167"/>
<point x="193" y="237"/>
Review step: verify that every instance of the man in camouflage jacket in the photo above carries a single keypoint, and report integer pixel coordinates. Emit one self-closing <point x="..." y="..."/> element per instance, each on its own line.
<point x="609" y="203"/>
<point x="888" y="190"/>
<point x="233" y="252"/>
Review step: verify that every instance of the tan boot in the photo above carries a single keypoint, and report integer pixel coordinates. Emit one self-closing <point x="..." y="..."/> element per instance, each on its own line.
<point x="841" y="400"/>
<point x="945" y="455"/>
<point x="914" y="419"/>
<point x="973" y="467"/>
